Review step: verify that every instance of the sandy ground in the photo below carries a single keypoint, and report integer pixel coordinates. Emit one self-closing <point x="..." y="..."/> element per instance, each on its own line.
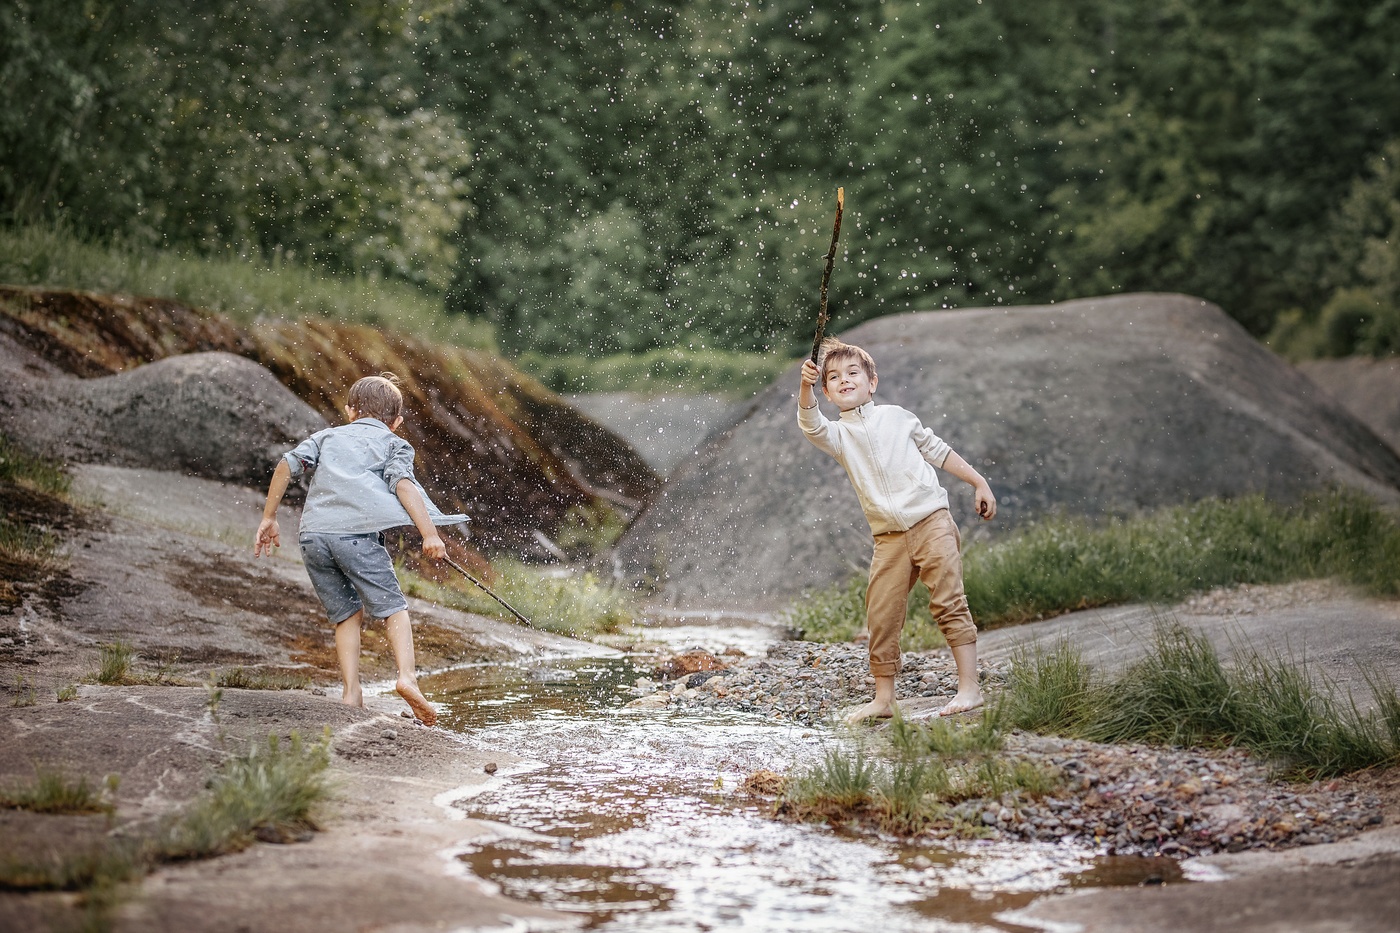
<point x="161" y="577"/>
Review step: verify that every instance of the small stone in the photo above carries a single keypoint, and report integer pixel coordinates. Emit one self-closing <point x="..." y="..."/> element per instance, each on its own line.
<point x="490" y="767"/>
<point x="989" y="818"/>
<point x="390" y="734"/>
<point x="405" y="714"/>
<point x="317" y="691"/>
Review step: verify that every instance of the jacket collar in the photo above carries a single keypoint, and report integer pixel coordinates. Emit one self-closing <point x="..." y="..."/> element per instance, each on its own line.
<point x="374" y="421"/>
<point x="859" y="412"/>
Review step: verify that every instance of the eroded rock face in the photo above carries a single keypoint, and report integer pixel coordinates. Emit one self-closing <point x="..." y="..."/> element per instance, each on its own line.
<point x="1366" y="387"/>
<point x="1094" y="406"/>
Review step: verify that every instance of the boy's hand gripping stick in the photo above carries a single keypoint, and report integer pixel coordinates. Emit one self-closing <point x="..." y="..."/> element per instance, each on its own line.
<point x="823" y="317"/>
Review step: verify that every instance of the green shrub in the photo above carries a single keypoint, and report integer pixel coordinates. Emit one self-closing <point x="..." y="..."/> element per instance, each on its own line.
<point x="731" y="373"/>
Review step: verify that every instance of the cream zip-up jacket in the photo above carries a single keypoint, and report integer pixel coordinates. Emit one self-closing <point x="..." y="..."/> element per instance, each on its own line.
<point x="889" y="456"/>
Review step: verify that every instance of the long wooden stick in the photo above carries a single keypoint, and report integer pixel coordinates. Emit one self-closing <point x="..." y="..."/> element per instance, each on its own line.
<point x="823" y="317"/>
<point x="457" y="567"/>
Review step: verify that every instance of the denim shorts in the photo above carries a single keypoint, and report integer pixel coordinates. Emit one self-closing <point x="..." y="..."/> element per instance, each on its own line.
<point x="350" y="573"/>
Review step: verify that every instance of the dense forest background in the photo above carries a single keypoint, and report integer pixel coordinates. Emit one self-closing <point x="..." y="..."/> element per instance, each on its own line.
<point x="601" y="177"/>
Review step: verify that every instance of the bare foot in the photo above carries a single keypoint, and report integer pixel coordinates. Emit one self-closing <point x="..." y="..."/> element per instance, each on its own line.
<point x="872" y="710"/>
<point x="408" y="689"/>
<point x="352" y="697"/>
<point x="962" y="703"/>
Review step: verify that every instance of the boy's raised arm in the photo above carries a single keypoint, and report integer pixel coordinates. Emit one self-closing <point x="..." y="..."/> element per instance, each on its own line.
<point x="417" y="510"/>
<point x="269" y="535"/>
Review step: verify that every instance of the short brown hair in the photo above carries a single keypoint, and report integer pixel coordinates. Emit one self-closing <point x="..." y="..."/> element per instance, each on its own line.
<point x="377" y="397"/>
<point x="834" y="351"/>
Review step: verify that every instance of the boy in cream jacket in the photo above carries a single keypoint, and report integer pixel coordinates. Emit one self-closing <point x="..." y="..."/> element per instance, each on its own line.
<point x="890" y="457"/>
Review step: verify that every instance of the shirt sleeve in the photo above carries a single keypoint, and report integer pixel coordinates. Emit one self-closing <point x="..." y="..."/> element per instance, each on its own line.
<point x="818" y="430"/>
<point x="399" y="465"/>
<point x="932" y="447"/>
<point x="304" y="456"/>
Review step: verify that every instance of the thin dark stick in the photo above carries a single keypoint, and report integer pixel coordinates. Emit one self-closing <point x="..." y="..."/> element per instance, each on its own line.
<point x="457" y="567"/>
<point x="823" y="317"/>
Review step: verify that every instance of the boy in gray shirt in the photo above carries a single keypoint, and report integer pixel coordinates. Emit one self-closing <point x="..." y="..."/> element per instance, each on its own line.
<point x="362" y="483"/>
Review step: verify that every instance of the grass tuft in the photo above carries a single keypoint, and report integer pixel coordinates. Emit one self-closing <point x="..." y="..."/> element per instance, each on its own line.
<point x="67" y="692"/>
<point x="912" y="782"/>
<point x="22" y="468"/>
<point x="270" y="792"/>
<point x="53" y="793"/>
<point x="242" y="678"/>
<point x="572" y="603"/>
<point x="114" y="663"/>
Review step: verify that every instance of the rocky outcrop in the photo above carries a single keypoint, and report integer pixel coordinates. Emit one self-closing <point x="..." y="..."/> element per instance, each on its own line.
<point x="1094" y="406"/>
<point x="1368" y="388"/>
<point x="491" y="442"/>
<point x="208" y="414"/>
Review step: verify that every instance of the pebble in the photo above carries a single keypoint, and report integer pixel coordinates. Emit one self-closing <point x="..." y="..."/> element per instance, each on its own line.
<point x="390" y="734"/>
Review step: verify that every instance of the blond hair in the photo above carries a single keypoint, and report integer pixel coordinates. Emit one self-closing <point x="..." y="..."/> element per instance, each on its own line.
<point x="377" y="397"/>
<point x="834" y="351"/>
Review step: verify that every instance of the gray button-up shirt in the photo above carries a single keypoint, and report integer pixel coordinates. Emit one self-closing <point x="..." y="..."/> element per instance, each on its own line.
<point x="357" y="468"/>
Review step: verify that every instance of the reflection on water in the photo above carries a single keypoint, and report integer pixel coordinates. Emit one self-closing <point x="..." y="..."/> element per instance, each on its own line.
<point x="638" y="823"/>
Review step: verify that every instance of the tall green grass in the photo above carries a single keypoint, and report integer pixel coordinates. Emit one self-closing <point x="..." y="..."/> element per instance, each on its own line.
<point x="731" y="373"/>
<point x="573" y="603"/>
<point x="1070" y="563"/>
<point x="1181" y="693"/>
<point x="245" y="288"/>
<point x="1067" y="563"/>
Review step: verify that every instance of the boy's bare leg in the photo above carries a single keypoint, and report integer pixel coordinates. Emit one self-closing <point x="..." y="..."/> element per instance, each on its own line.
<point x="882" y="707"/>
<point x="347" y="651"/>
<point x="969" y="694"/>
<point x="401" y="641"/>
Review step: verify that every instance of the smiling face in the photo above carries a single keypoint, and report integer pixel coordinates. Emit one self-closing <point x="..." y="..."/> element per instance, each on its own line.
<point x="846" y="383"/>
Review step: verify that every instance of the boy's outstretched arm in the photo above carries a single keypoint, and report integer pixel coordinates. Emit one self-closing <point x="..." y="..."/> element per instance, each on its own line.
<point x="986" y="502"/>
<point x="412" y="501"/>
<point x="269" y="535"/>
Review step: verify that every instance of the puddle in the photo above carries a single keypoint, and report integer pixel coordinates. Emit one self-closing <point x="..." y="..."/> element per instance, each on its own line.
<point x="634" y="820"/>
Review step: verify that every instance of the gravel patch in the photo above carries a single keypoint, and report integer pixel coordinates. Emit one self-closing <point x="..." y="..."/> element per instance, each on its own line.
<point x="1114" y="799"/>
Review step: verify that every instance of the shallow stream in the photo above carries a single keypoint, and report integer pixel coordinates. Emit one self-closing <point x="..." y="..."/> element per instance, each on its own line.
<point x="635" y="819"/>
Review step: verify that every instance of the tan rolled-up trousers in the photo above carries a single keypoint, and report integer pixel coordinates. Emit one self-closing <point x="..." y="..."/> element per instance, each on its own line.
<point x="930" y="551"/>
